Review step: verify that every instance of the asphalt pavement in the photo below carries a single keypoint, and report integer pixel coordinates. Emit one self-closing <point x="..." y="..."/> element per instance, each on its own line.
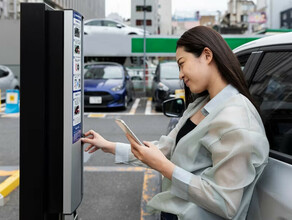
<point x="111" y="191"/>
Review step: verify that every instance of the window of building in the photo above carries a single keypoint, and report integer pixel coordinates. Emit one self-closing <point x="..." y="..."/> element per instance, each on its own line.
<point x="148" y="22"/>
<point x="244" y="18"/>
<point x="139" y="22"/>
<point x="140" y="8"/>
<point x="284" y="16"/>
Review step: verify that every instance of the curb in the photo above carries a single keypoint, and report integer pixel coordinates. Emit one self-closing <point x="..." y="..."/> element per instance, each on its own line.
<point x="8" y="185"/>
<point x="151" y="186"/>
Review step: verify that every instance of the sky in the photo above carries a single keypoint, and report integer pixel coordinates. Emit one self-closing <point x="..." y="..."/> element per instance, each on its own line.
<point x="123" y="7"/>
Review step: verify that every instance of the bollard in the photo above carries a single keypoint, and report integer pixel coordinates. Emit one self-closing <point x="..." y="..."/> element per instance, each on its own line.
<point x="12" y="101"/>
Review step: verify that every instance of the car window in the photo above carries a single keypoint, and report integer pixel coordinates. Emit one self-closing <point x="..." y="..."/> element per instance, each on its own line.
<point x="104" y="72"/>
<point x="271" y="88"/>
<point x="243" y="60"/>
<point x="2" y="73"/>
<point x="169" y="71"/>
<point x="94" y="23"/>
<point x="109" y="23"/>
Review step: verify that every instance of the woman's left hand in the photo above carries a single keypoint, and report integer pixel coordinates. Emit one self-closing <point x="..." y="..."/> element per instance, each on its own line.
<point x="152" y="156"/>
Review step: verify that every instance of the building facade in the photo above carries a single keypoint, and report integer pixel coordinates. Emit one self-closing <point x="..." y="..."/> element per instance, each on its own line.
<point x="180" y="25"/>
<point x="10" y="24"/>
<point x="137" y="15"/>
<point x="273" y="9"/>
<point x="158" y="16"/>
<point x="239" y="11"/>
<point x="208" y="20"/>
<point x="286" y="19"/>
<point x="10" y="9"/>
<point x="164" y="17"/>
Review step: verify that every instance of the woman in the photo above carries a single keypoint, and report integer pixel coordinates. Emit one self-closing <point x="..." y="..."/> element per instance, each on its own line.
<point x="214" y="156"/>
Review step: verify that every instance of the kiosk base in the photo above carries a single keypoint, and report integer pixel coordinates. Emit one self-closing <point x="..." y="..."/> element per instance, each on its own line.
<point x="74" y="216"/>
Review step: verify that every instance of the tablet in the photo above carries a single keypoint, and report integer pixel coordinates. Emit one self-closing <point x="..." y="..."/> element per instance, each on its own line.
<point x="127" y="130"/>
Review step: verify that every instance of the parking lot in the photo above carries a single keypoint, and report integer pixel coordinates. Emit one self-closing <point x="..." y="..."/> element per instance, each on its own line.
<point x="110" y="191"/>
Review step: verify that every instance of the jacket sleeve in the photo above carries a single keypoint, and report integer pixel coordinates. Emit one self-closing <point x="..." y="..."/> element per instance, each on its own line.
<point x="165" y="144"/>
<point x="219" y="188"/>
<point x="124" y="154"/>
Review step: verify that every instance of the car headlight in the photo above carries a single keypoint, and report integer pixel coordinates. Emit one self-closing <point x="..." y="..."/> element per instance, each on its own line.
<point x="117" y="88"/>
<point x="163" y="87"/>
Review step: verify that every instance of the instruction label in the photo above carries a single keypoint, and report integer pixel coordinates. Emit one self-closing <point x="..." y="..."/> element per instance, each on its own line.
<point x="76" y="77"/>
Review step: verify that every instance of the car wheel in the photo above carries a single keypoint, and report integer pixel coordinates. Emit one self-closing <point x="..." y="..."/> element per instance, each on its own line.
<point x="126" y="102"/>
<point x="133" y="96"/>
<point x="157" y="108"/>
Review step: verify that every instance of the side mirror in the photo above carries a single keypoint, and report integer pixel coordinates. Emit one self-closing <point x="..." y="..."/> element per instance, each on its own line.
<point x="173" y="107"/>
<point x="119" y="26"/>
<point x="155" y="78"/>
<point x="127" y="77"/>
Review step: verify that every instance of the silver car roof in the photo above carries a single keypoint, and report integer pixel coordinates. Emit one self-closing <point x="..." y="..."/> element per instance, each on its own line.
<point x="285" y="38"/>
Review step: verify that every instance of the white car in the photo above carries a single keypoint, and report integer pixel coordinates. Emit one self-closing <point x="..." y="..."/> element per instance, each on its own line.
<point x="110" y="26"/>
<point x="7" y="81"/>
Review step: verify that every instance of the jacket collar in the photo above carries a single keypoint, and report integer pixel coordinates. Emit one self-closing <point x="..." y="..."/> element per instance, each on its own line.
<point x="221" y="97"/>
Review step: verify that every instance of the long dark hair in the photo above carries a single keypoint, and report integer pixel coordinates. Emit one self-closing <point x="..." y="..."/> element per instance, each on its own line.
<point x="196" y="39"/>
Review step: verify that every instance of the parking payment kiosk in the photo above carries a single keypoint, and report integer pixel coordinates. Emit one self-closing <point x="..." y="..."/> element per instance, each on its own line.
<point x="51" y="113"/>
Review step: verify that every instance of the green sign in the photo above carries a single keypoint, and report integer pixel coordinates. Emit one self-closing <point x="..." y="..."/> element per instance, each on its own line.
<point x="168" y="45"/>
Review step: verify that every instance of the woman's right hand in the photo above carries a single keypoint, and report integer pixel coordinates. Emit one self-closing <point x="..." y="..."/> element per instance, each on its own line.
<point x="96" y="142"/>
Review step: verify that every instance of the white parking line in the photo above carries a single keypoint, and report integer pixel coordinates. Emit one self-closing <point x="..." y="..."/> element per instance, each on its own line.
<point x="148" y="111"/>
<point x="134" y="107"/>
<point x="11" y="115"/>
<point x="2" y="110"/>
<point x="148" y="107"/>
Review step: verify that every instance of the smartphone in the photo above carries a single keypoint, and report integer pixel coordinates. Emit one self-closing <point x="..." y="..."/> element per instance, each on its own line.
<point x="127" y="130"/>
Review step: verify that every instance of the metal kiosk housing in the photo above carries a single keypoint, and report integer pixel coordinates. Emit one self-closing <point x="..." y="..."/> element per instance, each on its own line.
<point x="51" y="114"/>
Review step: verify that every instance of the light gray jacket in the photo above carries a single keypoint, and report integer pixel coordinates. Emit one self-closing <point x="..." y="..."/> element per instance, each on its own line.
<point x="217" y="164"/>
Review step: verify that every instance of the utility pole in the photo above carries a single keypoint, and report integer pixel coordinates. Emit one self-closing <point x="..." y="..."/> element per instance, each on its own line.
<point x="15" y="10"/>
<point x="144" y="48"/>
<point x="219" y="24"/>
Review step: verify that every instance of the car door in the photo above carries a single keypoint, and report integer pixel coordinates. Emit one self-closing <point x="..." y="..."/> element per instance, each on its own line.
<point x="271" y="87"/>
<point x="111" y="27"/>
<point x="129" y="85"/>
<point x="94" y="26"/>
<point x="269" y="74"/>
<point x="5" y="81"/>
<point x="155" y="81"/>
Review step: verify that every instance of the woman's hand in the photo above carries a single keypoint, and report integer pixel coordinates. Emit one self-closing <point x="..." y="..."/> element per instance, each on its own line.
<point x="96" y="142"/>
<point x="152" y="156"/>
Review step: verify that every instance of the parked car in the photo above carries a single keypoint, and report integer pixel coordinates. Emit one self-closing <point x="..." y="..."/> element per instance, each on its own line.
<point x="107" y="85"/>
<point x="165" y="82"/>
<point x="267" y="65"/>
<point x="110" y="26"/>
<point x="7" y="81"/>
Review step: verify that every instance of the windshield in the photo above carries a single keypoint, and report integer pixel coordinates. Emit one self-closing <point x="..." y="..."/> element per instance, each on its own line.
<point x="103" y="72"/>
<point x="169" y="71"/>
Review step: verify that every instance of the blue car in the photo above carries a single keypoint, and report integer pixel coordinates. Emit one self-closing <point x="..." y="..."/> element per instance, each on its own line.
<point x="107" y="85"/>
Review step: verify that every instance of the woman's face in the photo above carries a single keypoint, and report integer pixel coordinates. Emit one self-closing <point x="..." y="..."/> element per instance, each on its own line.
<point x="195" y="71"/>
